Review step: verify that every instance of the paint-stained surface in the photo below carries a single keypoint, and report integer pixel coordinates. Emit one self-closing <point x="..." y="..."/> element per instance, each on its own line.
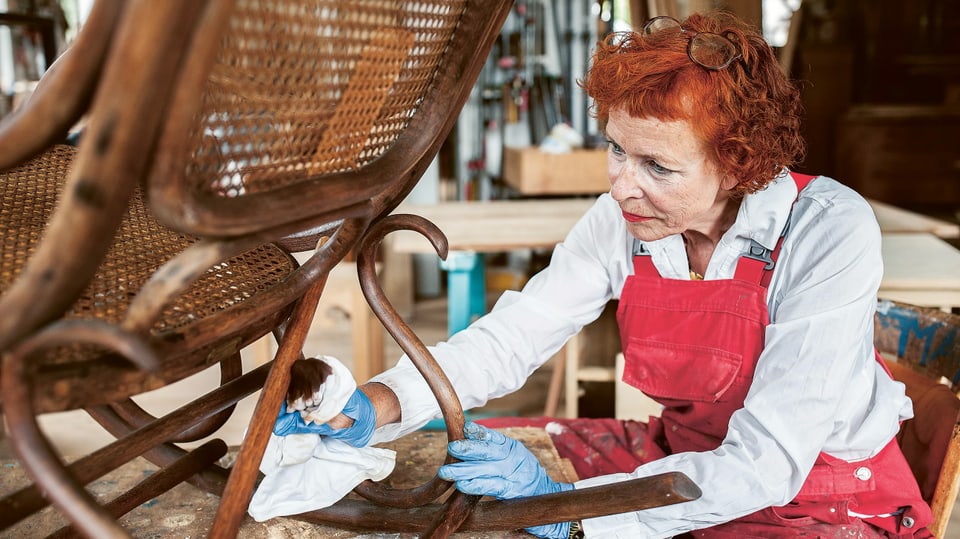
<point x="923" y="336"/>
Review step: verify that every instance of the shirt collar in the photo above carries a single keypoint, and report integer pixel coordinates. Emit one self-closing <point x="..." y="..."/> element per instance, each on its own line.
<point x="763" y="215"/>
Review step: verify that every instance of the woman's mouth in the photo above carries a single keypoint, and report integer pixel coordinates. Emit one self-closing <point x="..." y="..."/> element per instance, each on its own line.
<point x="634" y="218"/>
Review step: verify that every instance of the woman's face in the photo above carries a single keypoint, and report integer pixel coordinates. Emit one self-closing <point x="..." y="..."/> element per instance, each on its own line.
<point x="663" y="179"/>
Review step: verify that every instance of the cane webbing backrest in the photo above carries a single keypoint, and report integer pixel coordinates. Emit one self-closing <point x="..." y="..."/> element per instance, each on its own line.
<point x="300" y="98"/>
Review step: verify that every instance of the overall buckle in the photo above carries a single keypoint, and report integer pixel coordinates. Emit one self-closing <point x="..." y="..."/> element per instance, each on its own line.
<point x="640" y="248"/>
<point x="761" y="253"/>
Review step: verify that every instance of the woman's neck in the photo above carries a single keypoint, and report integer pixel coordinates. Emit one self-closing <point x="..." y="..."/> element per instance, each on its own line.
<point x="700" y="244"/>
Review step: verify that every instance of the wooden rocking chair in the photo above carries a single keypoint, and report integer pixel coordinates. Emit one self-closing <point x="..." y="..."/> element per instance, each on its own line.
<point x="220" y="136"/>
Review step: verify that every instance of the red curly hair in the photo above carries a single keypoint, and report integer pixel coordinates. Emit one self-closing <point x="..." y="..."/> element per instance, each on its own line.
<point x="748" y="113"/>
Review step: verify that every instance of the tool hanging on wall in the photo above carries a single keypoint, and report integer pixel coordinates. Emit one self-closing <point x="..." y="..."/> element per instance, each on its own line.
<point x="545" y="67"/>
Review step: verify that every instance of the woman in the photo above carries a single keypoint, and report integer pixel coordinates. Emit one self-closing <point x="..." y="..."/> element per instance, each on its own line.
<point x="746" y="302"/>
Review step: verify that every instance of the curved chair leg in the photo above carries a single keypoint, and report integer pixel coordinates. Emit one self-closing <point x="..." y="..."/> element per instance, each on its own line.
<point x="39" y="458"/>
<point x="239" y="488"/>
<point x="33" y="449"/>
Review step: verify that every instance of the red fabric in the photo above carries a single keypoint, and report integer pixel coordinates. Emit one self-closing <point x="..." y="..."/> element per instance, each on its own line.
<point x="594" y="446"/>
<point x="802" y="527"/>
<point x="692" y="346"/>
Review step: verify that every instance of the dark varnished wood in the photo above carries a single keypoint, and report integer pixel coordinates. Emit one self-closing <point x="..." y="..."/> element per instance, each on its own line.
<point x="151" y="78"/>
<point x="63" y="93"/>
<point x="633" y="495"/>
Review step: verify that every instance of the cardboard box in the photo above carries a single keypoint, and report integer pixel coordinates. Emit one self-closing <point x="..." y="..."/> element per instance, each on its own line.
<point x="533" y="172"/>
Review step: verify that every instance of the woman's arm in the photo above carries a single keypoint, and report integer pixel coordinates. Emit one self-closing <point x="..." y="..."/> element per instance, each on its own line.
<point x="497" y="353"/>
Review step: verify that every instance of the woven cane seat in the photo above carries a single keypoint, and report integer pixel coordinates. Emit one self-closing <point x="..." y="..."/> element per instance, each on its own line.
<point x="141" y="245"/>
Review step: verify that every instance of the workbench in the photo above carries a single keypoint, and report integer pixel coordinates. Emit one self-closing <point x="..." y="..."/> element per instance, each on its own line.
<point x="475" y="228"/>
<point x="187" y="511"/>
<point x="920" y="269"/>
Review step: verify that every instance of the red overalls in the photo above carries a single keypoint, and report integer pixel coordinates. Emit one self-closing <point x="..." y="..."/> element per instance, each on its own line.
<point x="693" y="346"/>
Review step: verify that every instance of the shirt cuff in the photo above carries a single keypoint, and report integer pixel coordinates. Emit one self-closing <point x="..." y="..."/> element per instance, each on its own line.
<point x="418" y="405"/>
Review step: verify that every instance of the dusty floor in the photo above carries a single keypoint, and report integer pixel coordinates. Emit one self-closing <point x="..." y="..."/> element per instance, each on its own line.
<point x="189" y="512"/>
<point x="73" y="433"/>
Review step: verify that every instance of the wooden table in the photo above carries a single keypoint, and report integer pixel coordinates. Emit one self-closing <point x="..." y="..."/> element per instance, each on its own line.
<point x="920" y="269"/>
<point x="894" y="219"/>
<point x="474" y="228"/>
<point x="503" y="225"/>
<point x="496" y="225"/>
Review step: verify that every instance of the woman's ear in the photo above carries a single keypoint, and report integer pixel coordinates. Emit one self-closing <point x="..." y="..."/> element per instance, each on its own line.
<point x="728" y="182"/>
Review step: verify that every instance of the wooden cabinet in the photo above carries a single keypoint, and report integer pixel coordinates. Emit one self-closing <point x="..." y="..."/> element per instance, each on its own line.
<point x="903" y="155"/>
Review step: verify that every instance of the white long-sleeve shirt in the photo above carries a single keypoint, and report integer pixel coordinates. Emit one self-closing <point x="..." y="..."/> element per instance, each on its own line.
<point x="817" y="386"/>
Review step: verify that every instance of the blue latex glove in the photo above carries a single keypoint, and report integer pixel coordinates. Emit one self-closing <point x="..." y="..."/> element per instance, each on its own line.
<point x="495" y="465"/>
<point x="358" y="407"/>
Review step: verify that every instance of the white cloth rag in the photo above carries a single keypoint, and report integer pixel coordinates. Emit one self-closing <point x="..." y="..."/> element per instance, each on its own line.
<point x="304" y="472"/>
<point x="331" y="396"/>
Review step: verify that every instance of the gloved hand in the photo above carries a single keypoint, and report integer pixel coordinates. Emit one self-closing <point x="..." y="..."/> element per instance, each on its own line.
<point x="495" y="465"/>
<point x="358" y="407"/>
<point x="319" y="388"/>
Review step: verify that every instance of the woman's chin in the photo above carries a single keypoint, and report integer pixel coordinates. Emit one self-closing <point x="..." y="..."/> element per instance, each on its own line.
<point x="645" y="232"/>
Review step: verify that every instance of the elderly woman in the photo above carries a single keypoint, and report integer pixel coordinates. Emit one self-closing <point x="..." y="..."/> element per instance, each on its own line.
<point x="746" y="301"/>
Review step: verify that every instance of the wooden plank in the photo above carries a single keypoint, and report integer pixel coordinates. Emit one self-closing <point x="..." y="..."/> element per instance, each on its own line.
<point x="493" y="226"/>
<point x="898" y="220"/>
<point x="920" y="269"/>
<point x="502" y="225"/>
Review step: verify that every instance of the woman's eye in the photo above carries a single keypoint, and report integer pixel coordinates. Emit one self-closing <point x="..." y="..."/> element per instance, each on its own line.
<point x="615" y="148"/>
<point x="657" y="169"/>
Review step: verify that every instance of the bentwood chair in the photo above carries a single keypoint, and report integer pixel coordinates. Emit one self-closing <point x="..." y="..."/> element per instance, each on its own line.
<point x="921" y="346"/>
<point x="220" y="136"/>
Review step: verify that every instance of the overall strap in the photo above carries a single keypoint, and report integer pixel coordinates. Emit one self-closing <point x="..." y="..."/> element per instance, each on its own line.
<point x="756" y="265"/>
<point x="643" y="261"/>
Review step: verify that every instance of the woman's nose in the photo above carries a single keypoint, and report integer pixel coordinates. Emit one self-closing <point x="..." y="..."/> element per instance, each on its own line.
<point x="624" y="182"/>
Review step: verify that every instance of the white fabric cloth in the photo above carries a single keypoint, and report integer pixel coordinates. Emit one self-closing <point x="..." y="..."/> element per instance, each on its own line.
<point x="304" y="472"/>
<point x="817" y="386"/>
<point x="330" y="397"/>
